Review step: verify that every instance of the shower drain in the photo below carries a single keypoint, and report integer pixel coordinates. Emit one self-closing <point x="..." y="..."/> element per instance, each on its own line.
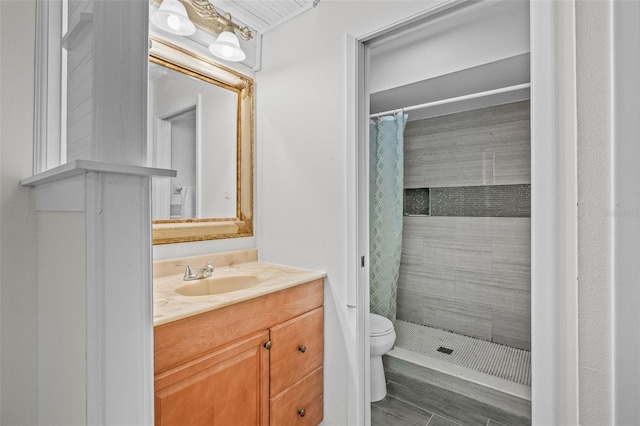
<point x="445" y="350"/>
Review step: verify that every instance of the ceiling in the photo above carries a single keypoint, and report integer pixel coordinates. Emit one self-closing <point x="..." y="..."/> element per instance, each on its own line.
<point x="263" y="15"/>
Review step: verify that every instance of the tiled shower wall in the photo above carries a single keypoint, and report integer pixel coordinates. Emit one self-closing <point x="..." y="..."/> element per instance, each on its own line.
<point x="470" y="275"/>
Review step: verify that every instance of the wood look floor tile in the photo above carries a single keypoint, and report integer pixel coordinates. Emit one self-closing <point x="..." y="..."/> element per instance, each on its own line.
<point x="407" y="412"/>
<point x="437" y="402"/>
<point x="380" y="417"/>
<point x="441" y="421"/>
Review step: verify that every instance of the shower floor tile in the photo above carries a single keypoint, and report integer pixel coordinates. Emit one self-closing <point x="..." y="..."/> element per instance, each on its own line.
<point x="480" y="355"/>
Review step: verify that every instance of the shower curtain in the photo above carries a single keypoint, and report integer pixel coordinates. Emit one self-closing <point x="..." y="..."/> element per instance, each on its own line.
<point x="386" y="175"/>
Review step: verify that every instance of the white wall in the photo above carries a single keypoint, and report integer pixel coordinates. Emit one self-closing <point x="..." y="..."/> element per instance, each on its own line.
<point x="301" y="175"/>
<point x="170" y="251"/>
<point x="18" y="287"/>
<point x="595" y="268"/>
<point x="301" y="159"/>
<point x="61" y="316"/>
<point x="80" y="109"/>
<point x="489" y="32"/>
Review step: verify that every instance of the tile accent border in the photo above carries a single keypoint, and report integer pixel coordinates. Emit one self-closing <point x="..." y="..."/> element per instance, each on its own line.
<point x="469" y="201"/>
<point x="482" y="201"/>
<point x="416" y="202"/>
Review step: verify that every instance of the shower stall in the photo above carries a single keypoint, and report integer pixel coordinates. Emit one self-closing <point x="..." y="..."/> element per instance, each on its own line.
<point x="463" y="292"/>
<point x="464" y="284"/>
<point x="465" y="264"/>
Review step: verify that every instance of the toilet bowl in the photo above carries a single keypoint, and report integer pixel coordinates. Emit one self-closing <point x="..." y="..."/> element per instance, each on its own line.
<point x="381" y="339"/>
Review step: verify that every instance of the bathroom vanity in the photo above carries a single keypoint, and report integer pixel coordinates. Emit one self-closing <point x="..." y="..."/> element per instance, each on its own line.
<point x="236" y="341"/>
<point x="244" y="346"/>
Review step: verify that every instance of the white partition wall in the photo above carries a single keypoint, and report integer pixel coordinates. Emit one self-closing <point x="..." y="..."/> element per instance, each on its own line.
<point x="95" y="345"/>
<point x="95" y="348"/>
<point x="106" y="81"/>
<point x="94" y="295"/>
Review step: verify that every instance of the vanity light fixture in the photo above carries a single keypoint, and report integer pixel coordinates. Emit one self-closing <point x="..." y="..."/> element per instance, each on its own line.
<point x="226" y="46"/>
<point x="172" y="17"/>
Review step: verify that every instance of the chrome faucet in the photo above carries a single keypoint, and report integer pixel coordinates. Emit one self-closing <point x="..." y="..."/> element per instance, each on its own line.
<point x="191" y="274"/>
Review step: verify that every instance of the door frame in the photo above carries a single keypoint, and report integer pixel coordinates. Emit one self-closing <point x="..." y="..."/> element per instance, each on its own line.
<point x="553" y="209"/>
<point x="161" y="151"/>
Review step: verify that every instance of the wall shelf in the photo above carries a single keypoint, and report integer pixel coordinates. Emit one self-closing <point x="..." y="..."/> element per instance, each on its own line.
<point x="75" y="33"/>
<point x="78" y="167"/>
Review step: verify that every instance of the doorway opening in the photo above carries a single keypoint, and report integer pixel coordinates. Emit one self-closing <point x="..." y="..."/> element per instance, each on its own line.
<point x="176" y="148"/>
<point x="551" y="204"/>
<point x="450" y="204"/>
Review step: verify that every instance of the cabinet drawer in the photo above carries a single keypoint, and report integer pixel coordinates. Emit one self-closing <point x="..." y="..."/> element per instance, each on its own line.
<point x="301" y="404"/>
<point x="297" y="349"/>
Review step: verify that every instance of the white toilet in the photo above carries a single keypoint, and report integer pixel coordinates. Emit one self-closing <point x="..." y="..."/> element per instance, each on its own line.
<point x="381" y="339"/>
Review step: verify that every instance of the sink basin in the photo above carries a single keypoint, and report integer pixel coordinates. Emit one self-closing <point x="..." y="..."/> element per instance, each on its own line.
<point x="218" y="285"/>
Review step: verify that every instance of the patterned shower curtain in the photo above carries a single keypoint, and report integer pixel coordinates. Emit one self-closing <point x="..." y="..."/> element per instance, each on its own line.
<point x="386" y="176"/>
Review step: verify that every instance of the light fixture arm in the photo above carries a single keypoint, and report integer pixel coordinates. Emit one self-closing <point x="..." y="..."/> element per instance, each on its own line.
<point x="206" y="10"/>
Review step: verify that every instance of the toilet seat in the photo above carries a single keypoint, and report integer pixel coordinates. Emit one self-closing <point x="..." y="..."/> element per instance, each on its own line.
<point x="379" y="325"/>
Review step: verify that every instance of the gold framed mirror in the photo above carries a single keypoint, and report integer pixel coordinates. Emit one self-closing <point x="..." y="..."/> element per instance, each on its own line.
<point x="201" y="124"/>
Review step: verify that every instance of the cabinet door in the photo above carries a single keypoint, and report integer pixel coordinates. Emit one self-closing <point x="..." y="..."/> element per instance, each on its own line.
<point x="297" y="349"/>
<point x="227" y="387"/>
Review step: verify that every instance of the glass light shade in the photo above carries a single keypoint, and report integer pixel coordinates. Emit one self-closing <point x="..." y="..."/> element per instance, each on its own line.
<point x="227" y="47"/>
<point x="172" y="17"/>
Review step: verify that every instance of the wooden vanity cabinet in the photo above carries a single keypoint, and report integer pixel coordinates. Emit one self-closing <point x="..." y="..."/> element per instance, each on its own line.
<point x="257" y="362"/>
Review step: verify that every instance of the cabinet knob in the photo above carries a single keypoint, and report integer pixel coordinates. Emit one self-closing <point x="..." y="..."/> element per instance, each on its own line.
<point x="302" y="348"/>
<point x="302" y="412"/>
<point x="267" y="344"/>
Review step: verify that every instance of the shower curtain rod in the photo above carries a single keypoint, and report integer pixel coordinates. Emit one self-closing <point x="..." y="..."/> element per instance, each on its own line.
<point x="456" y="99"/>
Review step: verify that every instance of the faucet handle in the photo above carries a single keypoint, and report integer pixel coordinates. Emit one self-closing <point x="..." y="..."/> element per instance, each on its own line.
<point x="208" y="268"/>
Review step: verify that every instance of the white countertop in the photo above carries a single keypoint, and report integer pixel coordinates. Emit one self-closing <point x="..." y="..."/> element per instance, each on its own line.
<point x="168" y="305"/>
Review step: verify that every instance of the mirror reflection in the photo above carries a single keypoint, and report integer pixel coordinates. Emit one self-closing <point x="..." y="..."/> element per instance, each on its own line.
<point x="194" y="130"/>
<point x="200" y="124"/>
